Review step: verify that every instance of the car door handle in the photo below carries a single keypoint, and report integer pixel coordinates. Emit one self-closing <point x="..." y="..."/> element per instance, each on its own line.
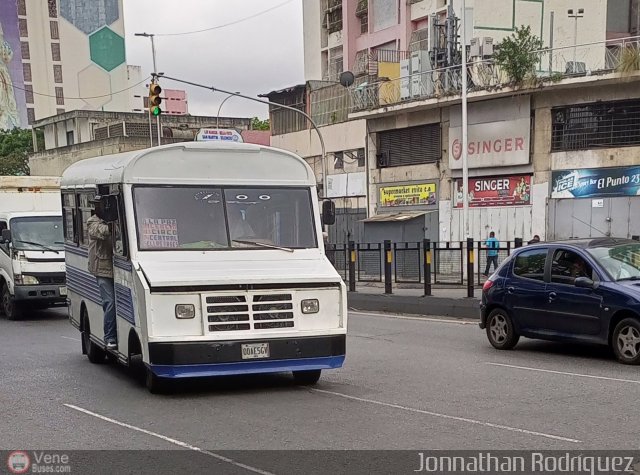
<point x="510" y="290"/>
<point x="552" y="296"/>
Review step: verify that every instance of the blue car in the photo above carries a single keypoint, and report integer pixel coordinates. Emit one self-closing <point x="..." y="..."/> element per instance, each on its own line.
<point x="585" y="290"/>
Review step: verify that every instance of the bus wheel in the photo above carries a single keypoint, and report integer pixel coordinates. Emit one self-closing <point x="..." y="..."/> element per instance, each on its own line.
<point x="155" y="384"/>
<point x="307" y="378"/>
<point x="94" y="352"/>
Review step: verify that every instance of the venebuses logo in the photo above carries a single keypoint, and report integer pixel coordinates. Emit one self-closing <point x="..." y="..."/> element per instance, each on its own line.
<point x="18" y="462"/>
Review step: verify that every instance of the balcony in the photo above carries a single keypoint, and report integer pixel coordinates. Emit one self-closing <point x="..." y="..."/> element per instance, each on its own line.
<point x="554" y="66"/>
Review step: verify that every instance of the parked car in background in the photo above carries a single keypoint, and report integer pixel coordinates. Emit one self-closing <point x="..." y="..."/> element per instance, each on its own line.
<point x="584" y="290"/>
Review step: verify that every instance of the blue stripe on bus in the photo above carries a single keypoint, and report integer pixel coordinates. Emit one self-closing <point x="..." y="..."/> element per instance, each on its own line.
<point x="78" y="251"/>
<point x="124" y="303"/>
<point x="122" y="263"/>
<point x="246" y="367"/>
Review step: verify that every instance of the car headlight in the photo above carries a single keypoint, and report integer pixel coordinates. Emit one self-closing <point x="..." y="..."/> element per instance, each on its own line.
<point x="184" y="310"/>
<point x="310" y="306"/>
<point x="26" y="280"/>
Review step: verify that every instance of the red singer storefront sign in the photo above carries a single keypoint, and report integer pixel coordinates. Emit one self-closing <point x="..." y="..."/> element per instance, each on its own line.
<point x="495" y="191"/>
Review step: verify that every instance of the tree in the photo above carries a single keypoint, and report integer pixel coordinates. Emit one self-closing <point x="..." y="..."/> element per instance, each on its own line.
<point x="257" y="124"/>
<point x="15" y="147"/>
<point x="519" y="54"/>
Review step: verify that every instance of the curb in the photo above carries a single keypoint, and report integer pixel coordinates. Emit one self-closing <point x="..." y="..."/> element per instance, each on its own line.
<point x="433" y="306"/>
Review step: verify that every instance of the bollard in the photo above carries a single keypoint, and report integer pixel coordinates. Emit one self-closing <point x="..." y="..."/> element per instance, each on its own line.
<point x="518" y="242"/>
<point x="388" y="259"/>
<point x="352" y="266"/>
<point x="426" y="246"/>
<point x="470" y="272"/>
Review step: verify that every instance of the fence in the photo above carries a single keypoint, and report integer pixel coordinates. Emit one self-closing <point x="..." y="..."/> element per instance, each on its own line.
<point x="447" y="265"/>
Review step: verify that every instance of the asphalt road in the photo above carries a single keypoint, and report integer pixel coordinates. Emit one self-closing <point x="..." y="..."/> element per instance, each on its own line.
<point x="408" y="383"/>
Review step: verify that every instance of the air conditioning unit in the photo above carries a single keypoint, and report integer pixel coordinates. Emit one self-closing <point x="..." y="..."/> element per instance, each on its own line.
<point x="405" y="79"/>
<point x="420" y="62"/>
<point x="486" y="46"/>
<point x="475" y="50"/>
<point x="577" y="67"/>
<point x="382" y="159"/>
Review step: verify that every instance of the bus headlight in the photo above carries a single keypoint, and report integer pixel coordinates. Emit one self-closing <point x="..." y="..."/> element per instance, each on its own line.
<point x="184" y="310"/>
<point x="310" y="306"/>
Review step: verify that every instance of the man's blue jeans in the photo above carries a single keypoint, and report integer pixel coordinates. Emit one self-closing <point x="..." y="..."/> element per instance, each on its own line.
<point x="107" y="292"/>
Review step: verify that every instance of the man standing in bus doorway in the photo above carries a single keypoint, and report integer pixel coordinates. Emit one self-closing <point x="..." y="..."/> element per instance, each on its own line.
<point x="101" y="266"/>
<point x="492" y="245"/>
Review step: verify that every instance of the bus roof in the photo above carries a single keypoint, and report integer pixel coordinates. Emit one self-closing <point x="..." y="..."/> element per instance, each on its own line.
<point x="194" y="163"/>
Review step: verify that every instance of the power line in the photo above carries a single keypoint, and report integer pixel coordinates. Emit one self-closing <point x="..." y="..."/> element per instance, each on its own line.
<point x="83" y="98"/>
<point x="224" y="25"/>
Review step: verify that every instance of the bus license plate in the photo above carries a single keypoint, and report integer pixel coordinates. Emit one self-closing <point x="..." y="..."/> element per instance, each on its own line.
<point x="63" y="291"/>
<point x="251" y="351"/>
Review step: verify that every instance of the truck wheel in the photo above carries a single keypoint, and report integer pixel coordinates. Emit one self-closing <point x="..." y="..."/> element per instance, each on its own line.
<point x="94" y="352"/>
<point x="307" y="378"/>
<point x="11" y="309"/>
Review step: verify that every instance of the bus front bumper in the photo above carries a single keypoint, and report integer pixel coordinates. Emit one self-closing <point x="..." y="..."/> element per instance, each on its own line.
<point x="219" y="358"/>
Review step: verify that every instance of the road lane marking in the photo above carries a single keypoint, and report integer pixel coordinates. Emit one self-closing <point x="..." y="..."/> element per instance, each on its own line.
<point x="422" y="319"/>
<point x="170" y="440"/>
<point x="447" y="416"/>
<point x="70" y="338"/>
<point x="566" y="373"/>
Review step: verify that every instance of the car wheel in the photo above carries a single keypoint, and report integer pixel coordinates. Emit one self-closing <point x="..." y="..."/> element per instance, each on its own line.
<point x="500" y="331"/>
<point x="626" y="341"/>
<point x="307" y="378"/>
<point x="94" y="352"/>
<point x="11" y="309"/>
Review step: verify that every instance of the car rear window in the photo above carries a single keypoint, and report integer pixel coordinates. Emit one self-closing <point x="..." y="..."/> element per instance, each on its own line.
<point x="530" y="264"/>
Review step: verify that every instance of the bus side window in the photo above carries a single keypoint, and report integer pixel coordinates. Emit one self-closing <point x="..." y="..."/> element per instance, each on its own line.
<point x="120" y="247"/>
<point x="85" y="204"/>
<point x="69" y="220"/>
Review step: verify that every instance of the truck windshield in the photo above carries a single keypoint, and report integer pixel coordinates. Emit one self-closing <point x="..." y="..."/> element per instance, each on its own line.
<point x="37" y="233"/>
<point x="196" y="218"/>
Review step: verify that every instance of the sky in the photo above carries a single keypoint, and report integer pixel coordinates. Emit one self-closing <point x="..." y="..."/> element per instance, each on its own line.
<point x="253" y="57"/>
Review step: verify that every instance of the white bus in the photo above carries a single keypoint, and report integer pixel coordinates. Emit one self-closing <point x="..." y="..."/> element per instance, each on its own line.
<point x="219" y="263"/>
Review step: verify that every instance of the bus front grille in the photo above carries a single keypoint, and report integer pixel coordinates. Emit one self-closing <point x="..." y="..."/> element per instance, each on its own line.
<point x="257" y="311"/>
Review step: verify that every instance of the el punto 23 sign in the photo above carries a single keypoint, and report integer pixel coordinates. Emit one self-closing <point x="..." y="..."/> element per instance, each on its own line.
<point x="596" y="182"/>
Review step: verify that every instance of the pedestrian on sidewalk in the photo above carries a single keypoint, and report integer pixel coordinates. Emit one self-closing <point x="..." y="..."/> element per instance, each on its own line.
<point x="492" y="245"/>
<point x="534" y="240"/>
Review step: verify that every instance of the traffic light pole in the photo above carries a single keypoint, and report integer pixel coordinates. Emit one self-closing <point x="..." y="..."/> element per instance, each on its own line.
<point x="155" y="72"/>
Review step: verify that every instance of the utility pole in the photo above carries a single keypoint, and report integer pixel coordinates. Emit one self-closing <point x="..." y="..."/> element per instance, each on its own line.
<point x="575" y="16"/>
<point x="465" y="163"/>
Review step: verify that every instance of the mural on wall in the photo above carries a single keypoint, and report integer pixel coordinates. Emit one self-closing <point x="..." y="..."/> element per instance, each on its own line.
<point x="13" y="110"/>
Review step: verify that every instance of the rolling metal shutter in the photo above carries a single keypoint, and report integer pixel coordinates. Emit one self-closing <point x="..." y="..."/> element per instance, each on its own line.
<point x="412" y="145"/>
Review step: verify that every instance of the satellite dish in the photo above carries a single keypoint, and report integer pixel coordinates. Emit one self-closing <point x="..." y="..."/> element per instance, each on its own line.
<point x="347" y="78"/>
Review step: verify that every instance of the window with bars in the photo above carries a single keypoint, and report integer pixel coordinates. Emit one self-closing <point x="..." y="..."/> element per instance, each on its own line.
<point x="24" y="50"/>
<point x="53" y="26"/>
<point x="28" y="93"/>
<point x="364" y="23"/>
<point x="419" y="40"/>
<point x="53" y="9"/>
<point x="26" y="72"/>
<point x="55" y="51"/>
<point x="22" y="26"/>
<point x="361" y="157"/>
<point x="31" y="115"/>
<point x="409" y="146"/>
<point x="596" y="125"/>
<point x="57" y="73"/>
<point x="338" y="160"/>
<point x="59" y="96"/>
<point x="22" y="8"/>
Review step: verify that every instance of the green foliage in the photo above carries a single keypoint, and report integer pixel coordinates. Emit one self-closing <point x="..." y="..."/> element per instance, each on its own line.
<point x="519" y="54"/>
<point x="629" y="59"/>
<point x="15" y="147"/>
<point x="556" y="77"/>
<point x="257" y="124"/>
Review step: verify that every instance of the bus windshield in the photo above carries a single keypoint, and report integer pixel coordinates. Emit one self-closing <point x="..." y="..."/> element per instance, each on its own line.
<point x="199" y="218"/>
<point x="37" y="233"/>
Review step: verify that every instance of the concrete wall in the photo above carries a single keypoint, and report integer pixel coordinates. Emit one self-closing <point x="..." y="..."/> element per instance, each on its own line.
<point x="311" y="18"/>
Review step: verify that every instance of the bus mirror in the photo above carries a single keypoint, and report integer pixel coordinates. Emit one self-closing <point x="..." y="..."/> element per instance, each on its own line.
<point x="6" y="236"/>
<point x="328" y="212"/>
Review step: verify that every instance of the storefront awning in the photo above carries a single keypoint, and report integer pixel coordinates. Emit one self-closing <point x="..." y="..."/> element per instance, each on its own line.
<point x="396" y="217"/>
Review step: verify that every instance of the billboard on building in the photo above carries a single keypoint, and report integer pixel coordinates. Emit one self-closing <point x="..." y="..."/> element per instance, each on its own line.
<point x="595" y="182"/>
<point x="495" y="191"/>
<point x="498" y="133"/>
<point x="13" y="110"/>
<point x="408" y="195"/>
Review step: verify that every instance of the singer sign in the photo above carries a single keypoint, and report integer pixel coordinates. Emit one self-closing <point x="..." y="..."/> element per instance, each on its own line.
<point x="498" y="135"/>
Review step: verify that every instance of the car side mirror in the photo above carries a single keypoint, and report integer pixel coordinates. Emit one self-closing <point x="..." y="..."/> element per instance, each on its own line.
<point x="6" y="236"/>
<point x="584" y="283"/>
<point x="328" y="212"/>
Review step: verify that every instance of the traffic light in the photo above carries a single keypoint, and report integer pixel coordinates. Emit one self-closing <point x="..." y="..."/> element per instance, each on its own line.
<point x="154" y="99"/>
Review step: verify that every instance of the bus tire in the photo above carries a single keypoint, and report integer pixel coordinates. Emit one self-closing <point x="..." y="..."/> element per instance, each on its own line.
<point x="307" y="378"/>
<point x="11" y="309"/>
<point x="94" y="352"/>
<point x="155" y="384"/>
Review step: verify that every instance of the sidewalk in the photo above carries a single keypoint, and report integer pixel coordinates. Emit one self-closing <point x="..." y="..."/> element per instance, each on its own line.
<point x="446" y="301"/>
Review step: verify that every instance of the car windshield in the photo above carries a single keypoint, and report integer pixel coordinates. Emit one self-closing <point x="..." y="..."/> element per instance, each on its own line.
<point x="37" y="233"/>
<point x="622" y="262"/>
<point x="199" y="218"/>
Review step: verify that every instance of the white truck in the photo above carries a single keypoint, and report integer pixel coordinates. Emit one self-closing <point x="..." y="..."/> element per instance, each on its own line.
<point x="32" y="267"/>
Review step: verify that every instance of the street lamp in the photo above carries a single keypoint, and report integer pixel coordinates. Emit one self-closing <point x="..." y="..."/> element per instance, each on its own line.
<point x="155" y="74"/>
<point x="575" y="15"/>
<point x="220" y="108"/>
<point x="465" y="138"/>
